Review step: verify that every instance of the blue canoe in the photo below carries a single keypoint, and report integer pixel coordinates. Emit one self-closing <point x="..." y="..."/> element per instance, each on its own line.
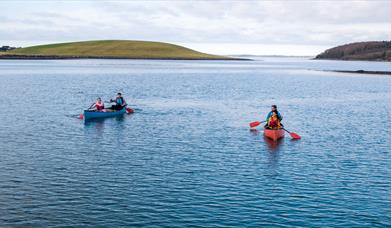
<point x="92" y="114"/>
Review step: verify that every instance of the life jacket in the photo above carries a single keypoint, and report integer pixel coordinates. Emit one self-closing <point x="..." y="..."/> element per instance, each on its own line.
<point x="270" y="114"/>
<point x="99" y="106"/>
<point x="119" y="101"/>
<point x="273" y="122"/>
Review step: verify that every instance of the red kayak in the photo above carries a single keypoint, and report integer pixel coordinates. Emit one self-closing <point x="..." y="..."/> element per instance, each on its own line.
<point x="274" y="134"/>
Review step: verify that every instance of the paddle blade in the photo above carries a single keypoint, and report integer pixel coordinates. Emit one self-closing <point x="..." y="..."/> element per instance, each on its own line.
<point x="81" y="116"/>
<point x="295" y="135"/>
<point x="129" y="110"/>
<point x="254" y="124"/>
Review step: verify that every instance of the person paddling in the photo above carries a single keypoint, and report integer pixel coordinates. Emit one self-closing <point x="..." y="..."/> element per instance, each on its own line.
<point x="273" y="119"/>
<point x="99" y="105"/>
<point x="274" y="122"/>
<point x="120" y="102"/>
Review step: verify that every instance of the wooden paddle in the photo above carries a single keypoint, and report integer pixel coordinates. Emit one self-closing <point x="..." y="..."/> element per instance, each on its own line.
<point x="292" y="134"/>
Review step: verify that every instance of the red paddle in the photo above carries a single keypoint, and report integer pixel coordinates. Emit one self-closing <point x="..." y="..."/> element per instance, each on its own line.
<point x="129" y="110"/>
<point x="293" y="134"/>
<point x="256" y="123"/>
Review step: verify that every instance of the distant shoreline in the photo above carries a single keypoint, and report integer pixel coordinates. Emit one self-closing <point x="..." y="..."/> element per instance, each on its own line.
<point x="56" y="57"/>
<point x="362" y="72"/>
<point x="356" y="60"/>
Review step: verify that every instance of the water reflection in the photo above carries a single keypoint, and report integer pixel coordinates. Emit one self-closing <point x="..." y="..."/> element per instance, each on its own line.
<point x="273" y="146"/>
<point x="91" y="122"/>
<point x="254" y="132"/>
<point x="273" y="154"/>
<point x="97" y="124"/>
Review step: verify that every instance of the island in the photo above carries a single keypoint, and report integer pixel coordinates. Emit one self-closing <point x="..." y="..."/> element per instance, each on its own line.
<point x="369" y="51"/>
<point x="111" y="49"/>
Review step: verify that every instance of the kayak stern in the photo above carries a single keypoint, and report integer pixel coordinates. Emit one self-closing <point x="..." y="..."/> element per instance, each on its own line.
<point x="274" y="134"/>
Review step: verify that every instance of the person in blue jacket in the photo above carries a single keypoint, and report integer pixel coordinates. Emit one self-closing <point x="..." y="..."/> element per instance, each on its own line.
<point x="269" y="115"/>
<point x="120" y="102"/>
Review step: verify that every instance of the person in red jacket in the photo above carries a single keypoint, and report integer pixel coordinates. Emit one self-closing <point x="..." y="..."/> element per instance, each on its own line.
<point x="99" y="105"/>
<point x="274" y="122"/>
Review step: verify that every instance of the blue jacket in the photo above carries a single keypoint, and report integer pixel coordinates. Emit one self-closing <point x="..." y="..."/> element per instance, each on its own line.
<point x="119" y="101"/>
<point x="270" y="115"/>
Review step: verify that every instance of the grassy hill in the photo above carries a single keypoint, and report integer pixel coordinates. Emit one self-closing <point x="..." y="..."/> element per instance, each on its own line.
<point x="374" y="50"/>
<point x="126" y="49"/>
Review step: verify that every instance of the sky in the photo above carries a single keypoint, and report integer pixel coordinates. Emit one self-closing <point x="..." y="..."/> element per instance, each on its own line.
<point x="217" y="27"/>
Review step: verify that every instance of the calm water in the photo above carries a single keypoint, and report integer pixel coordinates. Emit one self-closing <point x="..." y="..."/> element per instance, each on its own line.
<point x="186" y="157"/>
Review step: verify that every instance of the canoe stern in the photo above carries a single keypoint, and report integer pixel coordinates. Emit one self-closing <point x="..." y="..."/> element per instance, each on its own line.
<point x="274" y="134"/>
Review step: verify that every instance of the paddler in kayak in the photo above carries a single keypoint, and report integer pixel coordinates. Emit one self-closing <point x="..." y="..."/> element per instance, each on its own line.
<point x="273" y="119"/>
<point x="119" y="102"/>
<point x="99" y="105"/>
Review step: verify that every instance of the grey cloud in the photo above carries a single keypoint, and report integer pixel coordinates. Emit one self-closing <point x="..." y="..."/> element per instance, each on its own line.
<point x="277" y="22"/>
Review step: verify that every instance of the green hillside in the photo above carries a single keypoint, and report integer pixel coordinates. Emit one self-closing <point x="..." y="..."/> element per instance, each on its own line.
<point x="111" y="49"/>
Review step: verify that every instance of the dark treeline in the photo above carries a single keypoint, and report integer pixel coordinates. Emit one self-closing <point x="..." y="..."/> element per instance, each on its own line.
<point x="375" y="50"/>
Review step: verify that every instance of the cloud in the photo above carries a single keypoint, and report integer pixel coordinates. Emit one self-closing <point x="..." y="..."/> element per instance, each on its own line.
<point x="316" y="23"/>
